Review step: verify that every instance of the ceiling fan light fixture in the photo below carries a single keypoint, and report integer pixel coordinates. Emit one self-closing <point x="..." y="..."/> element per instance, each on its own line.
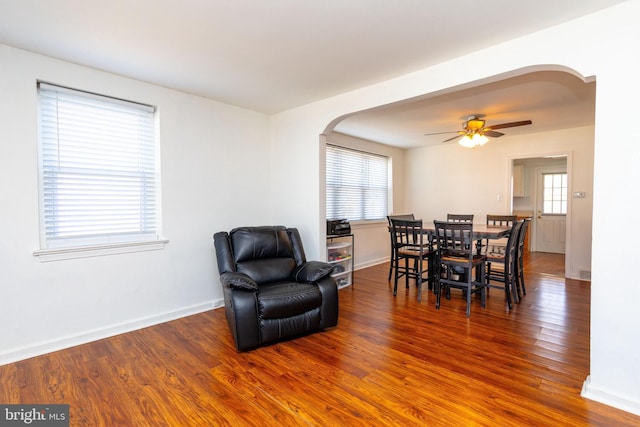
<point x="474" y="123"/>
<point x="473" y="141"/>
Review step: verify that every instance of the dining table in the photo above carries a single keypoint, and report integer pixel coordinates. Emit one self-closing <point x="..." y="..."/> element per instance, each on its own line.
<point x="480" y="233"/>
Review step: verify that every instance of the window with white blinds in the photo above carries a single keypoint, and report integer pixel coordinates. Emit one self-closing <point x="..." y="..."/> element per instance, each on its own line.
<point x="97" y="164"/>
<point x="357" y="184"/>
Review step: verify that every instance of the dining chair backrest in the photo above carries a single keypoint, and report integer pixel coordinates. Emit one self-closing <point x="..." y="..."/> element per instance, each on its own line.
<point x="402" y="216"/>
<point x="460" y="217"/>
<point x="406" y="233"/>
<point x="499" y="221"/>
<point x="390" y="218"/>
<point x="454" y="239"/>
<point x="522" y="235"/>
<point x="512" y="247"/>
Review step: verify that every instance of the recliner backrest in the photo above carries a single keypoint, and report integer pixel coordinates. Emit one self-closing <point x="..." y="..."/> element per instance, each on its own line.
<point x="265" y="253"/>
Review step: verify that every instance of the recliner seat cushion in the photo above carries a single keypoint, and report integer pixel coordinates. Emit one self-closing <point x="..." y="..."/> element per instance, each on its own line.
<point x="287" y="299"/>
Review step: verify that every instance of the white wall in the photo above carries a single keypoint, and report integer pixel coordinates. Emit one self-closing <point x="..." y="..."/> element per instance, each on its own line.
<point x="213" y="177"/>
<point x="455" y="179"/>
<point x="601" y="45"/>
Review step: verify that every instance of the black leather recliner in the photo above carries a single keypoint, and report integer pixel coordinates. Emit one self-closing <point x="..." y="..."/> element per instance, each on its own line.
<point x="271" y="291"/>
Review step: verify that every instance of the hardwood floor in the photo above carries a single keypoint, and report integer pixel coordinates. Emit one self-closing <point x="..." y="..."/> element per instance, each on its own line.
<point x="547" y="263"/>
<point x="390" y="361"/>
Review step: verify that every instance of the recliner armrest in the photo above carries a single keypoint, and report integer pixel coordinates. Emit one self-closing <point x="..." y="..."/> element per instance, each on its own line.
<point x="312" y="271"/>
<point x="238" y="281"/>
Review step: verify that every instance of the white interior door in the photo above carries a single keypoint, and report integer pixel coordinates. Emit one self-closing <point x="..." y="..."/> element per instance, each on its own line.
<point x="551" y="210"/>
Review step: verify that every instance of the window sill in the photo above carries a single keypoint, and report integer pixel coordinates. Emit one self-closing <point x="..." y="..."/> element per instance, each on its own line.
<point x="375" y="223"/>
<point x="60" y="254"/>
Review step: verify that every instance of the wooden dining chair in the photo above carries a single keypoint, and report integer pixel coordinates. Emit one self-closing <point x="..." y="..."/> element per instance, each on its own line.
<point x="392" y="263"/>
<point x="502" y="266"/>
<point x="412" y="246"/>
<point x="521" y="249"/>
<point x="457" y="261"/>
<point x="459" y="218"/>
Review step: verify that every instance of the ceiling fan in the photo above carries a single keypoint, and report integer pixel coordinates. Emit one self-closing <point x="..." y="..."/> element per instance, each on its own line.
<point x="474" y="132"/>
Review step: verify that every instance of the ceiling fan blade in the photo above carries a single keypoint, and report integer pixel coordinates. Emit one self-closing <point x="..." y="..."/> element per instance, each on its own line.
<point x="451" y="139"/>
<point x="440" y="133"/>
<point x="508" y="125"/>
<point x="492" y="134"/>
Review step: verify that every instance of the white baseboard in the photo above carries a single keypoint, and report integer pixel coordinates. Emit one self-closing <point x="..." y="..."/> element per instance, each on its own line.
<point x="371" y="263"/>
<point x="44" y="347"/>
<point x="593" y="393"/>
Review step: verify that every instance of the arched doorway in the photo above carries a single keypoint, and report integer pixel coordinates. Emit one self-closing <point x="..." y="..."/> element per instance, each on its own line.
<point x="561" y="106"/>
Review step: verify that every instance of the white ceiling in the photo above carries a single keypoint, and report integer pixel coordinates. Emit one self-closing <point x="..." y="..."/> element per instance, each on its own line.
<point x="270" y="56"/>
<point x="552" y="100"/>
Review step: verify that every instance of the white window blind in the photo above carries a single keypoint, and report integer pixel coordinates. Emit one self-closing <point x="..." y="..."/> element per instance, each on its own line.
<point x="357" y="184"/>
<point x="97" y="169"/>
